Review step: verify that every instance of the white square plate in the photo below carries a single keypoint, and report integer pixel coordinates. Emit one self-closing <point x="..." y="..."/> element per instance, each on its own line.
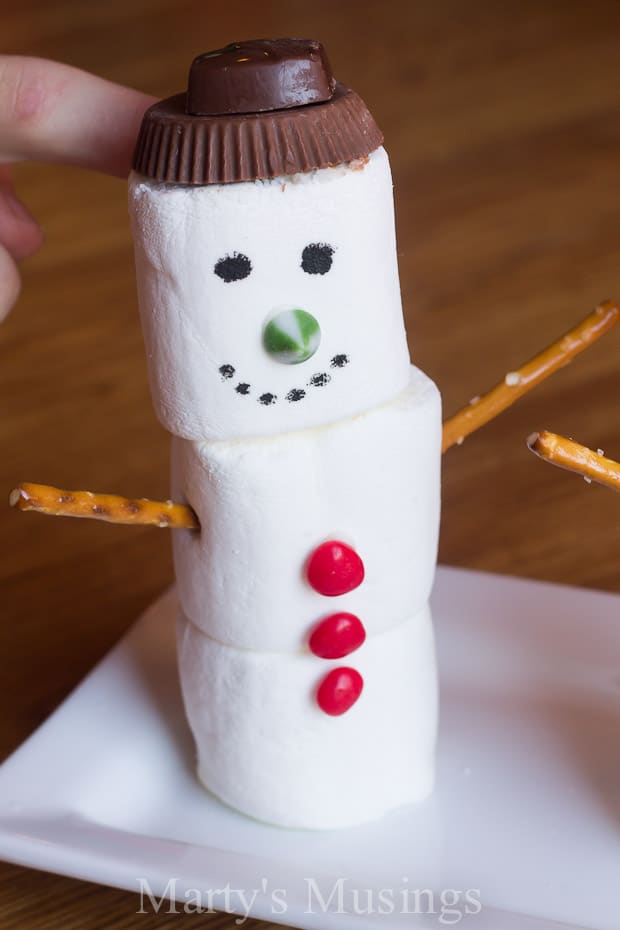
<point x="526" y="811"/>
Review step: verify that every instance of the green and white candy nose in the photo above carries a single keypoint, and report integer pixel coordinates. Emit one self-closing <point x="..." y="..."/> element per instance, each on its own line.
<point x="292" y="336"/>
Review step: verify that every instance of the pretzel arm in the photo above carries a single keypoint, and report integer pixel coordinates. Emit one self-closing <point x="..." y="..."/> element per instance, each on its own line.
<point x="570" y="455"/>
<point x="111" y="508"/>
<point x="517" y="383"/>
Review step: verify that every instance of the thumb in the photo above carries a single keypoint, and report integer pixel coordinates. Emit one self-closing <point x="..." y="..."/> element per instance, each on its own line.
<point x="55" y="113"/>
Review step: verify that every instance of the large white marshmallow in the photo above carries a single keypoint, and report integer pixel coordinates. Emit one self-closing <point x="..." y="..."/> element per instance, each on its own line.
<point x="264" y="505"/>
<point x="194" y="322"/>
<point x="266" y="748"/>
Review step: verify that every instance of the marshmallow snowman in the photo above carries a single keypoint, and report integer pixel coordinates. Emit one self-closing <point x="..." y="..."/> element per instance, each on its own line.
<point x="303" y="438"/>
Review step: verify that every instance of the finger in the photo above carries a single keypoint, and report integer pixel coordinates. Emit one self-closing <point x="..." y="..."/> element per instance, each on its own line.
<point x="9" y="283"/>
<point x="54" y="113"/>
<point x="20" y="233"/>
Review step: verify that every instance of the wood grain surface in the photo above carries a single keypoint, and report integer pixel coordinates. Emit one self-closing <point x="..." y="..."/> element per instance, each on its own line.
<point x="502" y="120"/>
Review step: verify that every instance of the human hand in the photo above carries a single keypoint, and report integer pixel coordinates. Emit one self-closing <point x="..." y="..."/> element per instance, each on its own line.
<point x="51" y="112"/>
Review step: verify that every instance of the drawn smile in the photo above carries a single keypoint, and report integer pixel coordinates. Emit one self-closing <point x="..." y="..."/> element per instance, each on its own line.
<point x="267" y="399"/>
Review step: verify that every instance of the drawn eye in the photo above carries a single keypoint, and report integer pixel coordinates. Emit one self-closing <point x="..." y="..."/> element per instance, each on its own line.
<point x="316" y="258"/>
<point x="233" y="267"/>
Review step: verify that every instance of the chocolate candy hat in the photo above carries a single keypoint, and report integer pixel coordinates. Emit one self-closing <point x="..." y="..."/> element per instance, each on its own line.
<point x="256" y="109"/>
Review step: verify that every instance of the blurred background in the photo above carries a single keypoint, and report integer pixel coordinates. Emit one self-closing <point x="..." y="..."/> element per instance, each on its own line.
<point x="502" y="121"/>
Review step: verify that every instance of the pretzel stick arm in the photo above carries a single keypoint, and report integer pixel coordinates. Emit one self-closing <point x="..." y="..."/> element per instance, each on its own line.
<point x="519" y="382"/>
<point x="111" y="508"/>
<point x="570" y="455"/>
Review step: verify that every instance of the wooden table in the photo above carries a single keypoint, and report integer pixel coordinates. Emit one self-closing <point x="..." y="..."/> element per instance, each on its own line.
<point x="502" y="120"/>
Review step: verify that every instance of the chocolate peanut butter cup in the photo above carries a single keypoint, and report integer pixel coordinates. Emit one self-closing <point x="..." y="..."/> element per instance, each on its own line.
<point x="256" y="109"/>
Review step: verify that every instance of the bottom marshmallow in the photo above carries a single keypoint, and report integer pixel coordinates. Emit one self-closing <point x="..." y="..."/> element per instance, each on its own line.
<point x="266" y="748"/>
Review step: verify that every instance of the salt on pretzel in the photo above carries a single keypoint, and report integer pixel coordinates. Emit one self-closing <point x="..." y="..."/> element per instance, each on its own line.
<point x="109" y="507"/>
<point x="568" y="454"/>
<point x="517" y="383"/>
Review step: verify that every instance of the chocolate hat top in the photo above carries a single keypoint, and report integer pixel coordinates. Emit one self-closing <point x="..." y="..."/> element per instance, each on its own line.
<point x="259" y="75"/>
<point x="256" y="109"/>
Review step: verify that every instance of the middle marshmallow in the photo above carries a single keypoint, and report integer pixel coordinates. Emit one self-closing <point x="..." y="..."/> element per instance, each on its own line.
<point x="265" y="505"/>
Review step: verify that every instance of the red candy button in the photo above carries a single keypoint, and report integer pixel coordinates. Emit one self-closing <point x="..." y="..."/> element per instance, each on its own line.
<point x="339" y="691"/>
<point x="335" y="568"/>
<point x="337" y="635"/>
